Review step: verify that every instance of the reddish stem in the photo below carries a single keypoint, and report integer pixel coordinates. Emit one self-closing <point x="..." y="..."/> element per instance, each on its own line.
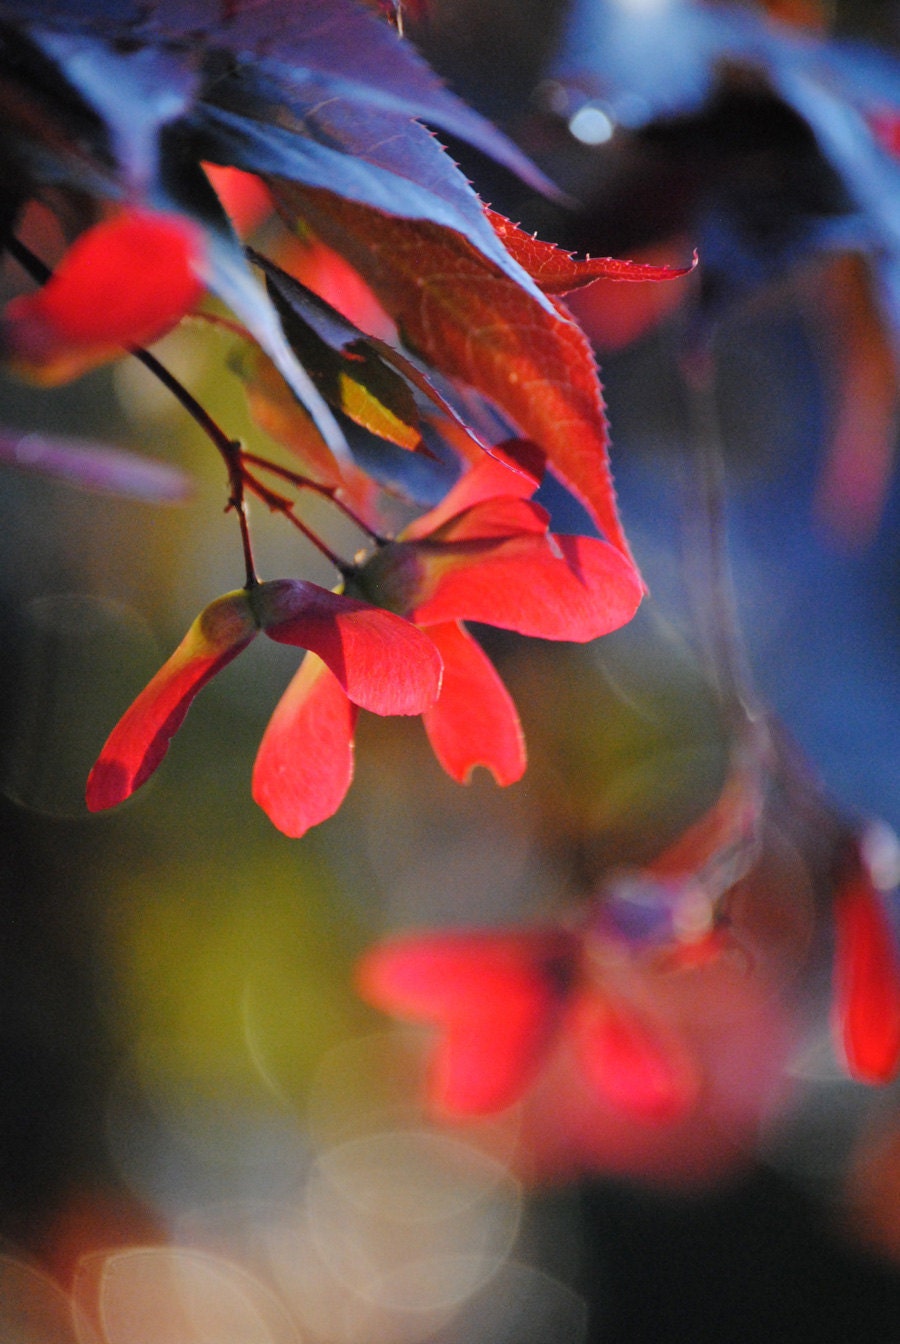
<point x="232" y="454"/>
<point x="279" y="504"/>
<point x="229" y="449"/>
<point x="329" y="491"/>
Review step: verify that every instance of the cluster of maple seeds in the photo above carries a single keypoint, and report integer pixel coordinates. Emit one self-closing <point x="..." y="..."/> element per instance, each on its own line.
<point x="393" y="641"/>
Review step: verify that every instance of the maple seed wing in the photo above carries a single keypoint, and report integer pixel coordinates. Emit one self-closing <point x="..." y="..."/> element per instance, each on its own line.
<point x="568" y="588"/>
<point x="473" y="721"/>
<point x="867" y="991"/>
<point x="304" y="766"/>
<point x="638" y="1070"/>
<point x="493" y="999"/>
<point x="140" y="739"/>
<point x="383" y="663"/>
<point x="493" y="479"/>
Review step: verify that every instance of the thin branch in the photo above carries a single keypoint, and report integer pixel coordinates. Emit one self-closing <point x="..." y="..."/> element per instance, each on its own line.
<point x="710" y="586"/>
<point x="708" y="571"/>
<point x="329" y="491"/>
<point x="28" y="261"/>
<point x="228" y="448"/>
<point x="280" y="504"/>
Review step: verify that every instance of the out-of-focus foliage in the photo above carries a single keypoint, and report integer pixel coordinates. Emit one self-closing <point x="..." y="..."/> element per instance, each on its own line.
<point x="223" y="1127"/>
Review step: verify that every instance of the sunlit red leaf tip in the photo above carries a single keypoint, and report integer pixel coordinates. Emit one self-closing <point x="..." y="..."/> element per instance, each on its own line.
<point x="550" y="587"/>
<point x="556" y="271"/>
<point x="123" y="283"/>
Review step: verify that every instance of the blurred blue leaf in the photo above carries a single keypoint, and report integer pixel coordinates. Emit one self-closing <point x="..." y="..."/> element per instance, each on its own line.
<point x="444" y="198"/>
<point x="357" y="53"/>
<point x="685" y="75"/>
<point x="123" y="102"/>
<point x="135" y="93"/>
<point x="649" y="61"/>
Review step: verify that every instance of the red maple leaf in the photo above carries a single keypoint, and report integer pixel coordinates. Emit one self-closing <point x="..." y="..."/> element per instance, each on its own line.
<point x="474" y="322"/>
<point x="557" y="271"/>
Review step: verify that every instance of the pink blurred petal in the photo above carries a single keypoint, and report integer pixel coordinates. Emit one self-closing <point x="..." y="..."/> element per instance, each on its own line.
<point x="141" y="738"/>
<point x="382" y="661"/>
<point x="867" y="988"/>
<point x="473" y="721"/>
<point x="637" y="1069"/>
<point x="96" y="466"/>
<point x="304" y="765"/>
<point x="860" y="452"/>
<point x="572" y="588"/>
<point x="496" y="998"/>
